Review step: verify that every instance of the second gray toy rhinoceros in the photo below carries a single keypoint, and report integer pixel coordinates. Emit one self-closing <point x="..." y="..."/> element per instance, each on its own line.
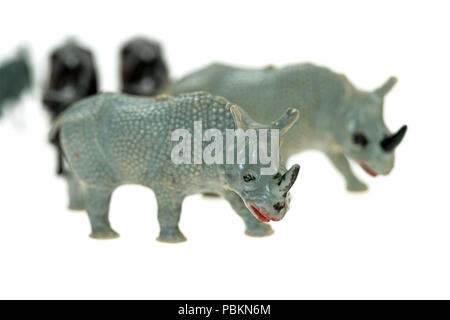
<point x="337" y="119"/>
<point x="115" y="139"/>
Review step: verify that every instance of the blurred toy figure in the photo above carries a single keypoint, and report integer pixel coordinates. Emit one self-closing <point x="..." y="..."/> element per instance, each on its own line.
<point x="72" y="77"/>
<point x="15" y="79"/>
<point x="143" y="69"/>
<point x="337" y="118"/>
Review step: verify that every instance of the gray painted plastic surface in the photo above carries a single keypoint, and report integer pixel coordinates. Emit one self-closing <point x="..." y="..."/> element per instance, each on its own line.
<point x="336" y="118"/>
<point x="115" y="139"/>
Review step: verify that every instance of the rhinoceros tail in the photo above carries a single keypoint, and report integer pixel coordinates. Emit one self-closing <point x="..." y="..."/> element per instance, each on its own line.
<point x="53" y="135"/>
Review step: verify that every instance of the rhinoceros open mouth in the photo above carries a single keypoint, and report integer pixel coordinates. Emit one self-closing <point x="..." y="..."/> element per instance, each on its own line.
<point x="261" y="215"/>
<point x="368" y="169"/>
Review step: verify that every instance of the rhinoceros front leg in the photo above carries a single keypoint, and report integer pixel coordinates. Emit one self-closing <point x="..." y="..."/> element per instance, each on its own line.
<point x="254" y="227"/>
<point x="97" y="206"/>
<point x="343" y="166"/>
<point x="169" y="212"/>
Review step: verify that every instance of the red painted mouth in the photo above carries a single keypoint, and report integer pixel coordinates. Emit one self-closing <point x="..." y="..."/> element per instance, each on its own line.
<point x="261" y="215"/>
<point x="368" y="169"/>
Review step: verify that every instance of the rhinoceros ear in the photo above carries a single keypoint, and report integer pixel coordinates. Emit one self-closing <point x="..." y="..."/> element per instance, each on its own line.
<point x="242" y="119"/>
<point x="386" y="87"/>
<point x="287" y="120"/>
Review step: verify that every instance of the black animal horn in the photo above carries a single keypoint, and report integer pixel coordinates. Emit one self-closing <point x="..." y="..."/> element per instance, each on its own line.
<point x="288" y="179"/>
<point x="390" y="143"/>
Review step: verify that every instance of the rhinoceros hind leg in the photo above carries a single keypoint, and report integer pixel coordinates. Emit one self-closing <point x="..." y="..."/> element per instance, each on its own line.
<point x="169" y="212"/>
<point x="170" y="235"/>
<point x="104" y="234"/>
<point x="97" y="205"/>
<point x="76" y="192"/>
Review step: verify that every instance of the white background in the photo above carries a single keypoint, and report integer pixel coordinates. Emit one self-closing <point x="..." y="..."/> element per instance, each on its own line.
<point x="391" y="242"/>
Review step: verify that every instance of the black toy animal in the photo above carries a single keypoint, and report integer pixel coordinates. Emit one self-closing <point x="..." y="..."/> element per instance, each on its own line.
<point x="73" y="76"/>
<point x="143" y="69"/>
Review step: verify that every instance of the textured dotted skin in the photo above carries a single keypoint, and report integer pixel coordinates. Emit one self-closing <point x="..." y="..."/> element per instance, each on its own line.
<point x="332" y="110"/>
<point x="114" y="139"/>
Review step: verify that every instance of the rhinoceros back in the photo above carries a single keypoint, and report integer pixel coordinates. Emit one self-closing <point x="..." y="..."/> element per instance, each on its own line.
<point x="263" y="92"/>
<point x="113" y="139"/>
<point x="266" y="93"/>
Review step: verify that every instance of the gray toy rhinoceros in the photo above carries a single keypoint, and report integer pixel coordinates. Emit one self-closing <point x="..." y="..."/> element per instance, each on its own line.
<point x="115" y="139"/>
<point x="337" y="119"/>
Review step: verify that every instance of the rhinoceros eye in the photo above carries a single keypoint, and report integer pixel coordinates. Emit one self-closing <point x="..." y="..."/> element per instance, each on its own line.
<point x="360" y="138"/>
<point x="248" y="178"/>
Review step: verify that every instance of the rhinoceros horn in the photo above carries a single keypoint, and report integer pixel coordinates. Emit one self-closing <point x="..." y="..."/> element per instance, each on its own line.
<point x="287" y="180"/>
<point x="390" y="143"/>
